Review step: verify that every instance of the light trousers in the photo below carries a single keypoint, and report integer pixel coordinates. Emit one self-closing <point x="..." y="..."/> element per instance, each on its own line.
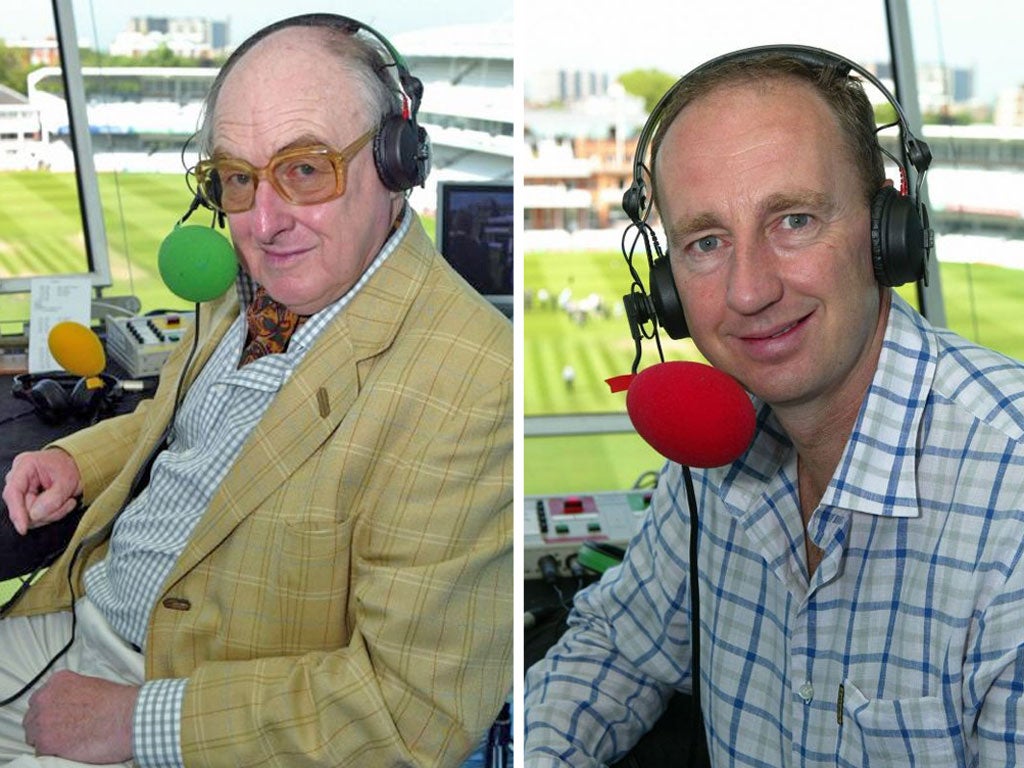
<point x="26" y="646"/>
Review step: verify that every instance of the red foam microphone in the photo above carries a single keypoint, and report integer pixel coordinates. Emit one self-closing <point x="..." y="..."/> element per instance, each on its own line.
<point x="690" y="413"/>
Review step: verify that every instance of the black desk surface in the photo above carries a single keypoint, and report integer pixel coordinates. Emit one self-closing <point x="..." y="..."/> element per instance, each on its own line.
<point x="22" y="430"/>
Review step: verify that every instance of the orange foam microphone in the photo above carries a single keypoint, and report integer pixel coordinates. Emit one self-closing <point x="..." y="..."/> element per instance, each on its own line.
<point x="78" y="350"/>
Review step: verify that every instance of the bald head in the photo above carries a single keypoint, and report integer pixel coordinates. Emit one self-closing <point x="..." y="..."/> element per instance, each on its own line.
<point x="357" y="58"/>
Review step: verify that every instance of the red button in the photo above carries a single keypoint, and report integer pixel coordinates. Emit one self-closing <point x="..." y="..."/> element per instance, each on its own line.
<point x="572" y="505"/>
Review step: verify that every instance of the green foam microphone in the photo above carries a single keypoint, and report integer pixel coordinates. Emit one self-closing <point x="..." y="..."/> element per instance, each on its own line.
<point x="197" y="263"/>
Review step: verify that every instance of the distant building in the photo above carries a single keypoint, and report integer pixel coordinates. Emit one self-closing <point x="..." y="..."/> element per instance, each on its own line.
<point x="189" y="37"/>
<point x="576" y="185"/>
<point x="558" y="188"/>
<point x="564" y="86"/>
<point x="611" y="114"/>
<point x="19" y="130"/>
<point x="1009" y="111"/>
<point x="36" y="53"/>
<point x="938" y="88"/>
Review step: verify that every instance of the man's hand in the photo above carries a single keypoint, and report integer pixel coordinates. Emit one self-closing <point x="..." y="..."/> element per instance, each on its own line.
<point x="41" y="488"/>
<point x="85" y="719"/>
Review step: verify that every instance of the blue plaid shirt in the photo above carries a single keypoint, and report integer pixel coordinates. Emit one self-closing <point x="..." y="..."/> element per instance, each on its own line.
<point x="904" y="647"/>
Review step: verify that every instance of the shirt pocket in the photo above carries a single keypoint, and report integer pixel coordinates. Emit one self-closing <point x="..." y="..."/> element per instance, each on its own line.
<point x="897" y="732"/>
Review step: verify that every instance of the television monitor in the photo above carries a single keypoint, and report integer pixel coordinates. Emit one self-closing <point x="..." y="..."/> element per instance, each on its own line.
<point x="474" y="233"/>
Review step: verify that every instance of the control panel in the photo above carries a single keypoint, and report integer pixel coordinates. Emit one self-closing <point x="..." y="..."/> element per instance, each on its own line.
<point x="556" y="525"/>
<point x="141" y="345"/>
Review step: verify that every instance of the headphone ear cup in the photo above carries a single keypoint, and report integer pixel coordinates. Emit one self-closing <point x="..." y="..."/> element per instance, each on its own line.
<point x="665" y="297"/>
<point x="897" y="238"/>
<point x="400" y="153"/>
<point x="50" y="400"/>
<point x="85" y="401"/>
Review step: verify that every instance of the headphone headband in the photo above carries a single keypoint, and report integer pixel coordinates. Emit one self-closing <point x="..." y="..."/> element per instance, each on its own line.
<point x="635" y="202"/>
<point x="411" y="86"/>
<point x="23" y="382"/>
<point x="56" y="397"/>
<point x="401" y="147"/>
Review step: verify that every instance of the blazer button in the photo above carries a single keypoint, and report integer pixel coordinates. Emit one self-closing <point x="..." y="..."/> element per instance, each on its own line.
<point x="177" y="604"/>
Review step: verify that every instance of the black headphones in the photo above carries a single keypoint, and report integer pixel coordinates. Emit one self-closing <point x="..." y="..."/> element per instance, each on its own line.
<point x="58" y="397"/>
<point x="401" y="147"/>
<point x="900" y="238"/>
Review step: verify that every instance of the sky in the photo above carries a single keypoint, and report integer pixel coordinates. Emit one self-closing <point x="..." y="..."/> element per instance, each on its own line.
<point x="613" y="36"/>
<point x="676" y="36"/>
<point x="390" y="17"/>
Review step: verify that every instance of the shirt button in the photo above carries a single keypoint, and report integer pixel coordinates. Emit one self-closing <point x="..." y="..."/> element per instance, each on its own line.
<point x="806" y="692"/>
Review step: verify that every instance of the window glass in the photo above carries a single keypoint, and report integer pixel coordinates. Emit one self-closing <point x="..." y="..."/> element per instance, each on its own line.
<point x="41" y="223"/>
<point x="970" y="79"/>
<point x="146" y="67"/>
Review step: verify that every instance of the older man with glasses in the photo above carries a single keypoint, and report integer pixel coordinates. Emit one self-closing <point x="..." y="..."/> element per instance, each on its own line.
<point x="304" y="557"/>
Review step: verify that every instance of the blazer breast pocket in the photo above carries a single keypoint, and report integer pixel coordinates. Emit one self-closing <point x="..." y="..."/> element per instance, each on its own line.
<point x="898" y="732"/>
<point x="300" y="585"/>
<point x="310" y="555"/>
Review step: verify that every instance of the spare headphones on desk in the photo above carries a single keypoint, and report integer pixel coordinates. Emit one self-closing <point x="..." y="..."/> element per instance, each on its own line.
<point x="57" y="397"/>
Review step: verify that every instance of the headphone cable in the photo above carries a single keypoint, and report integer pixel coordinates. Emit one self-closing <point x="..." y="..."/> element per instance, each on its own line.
<point x="140" y="480"/>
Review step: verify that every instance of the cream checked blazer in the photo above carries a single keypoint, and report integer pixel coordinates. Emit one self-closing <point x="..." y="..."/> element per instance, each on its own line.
<point x="346" y="599"/>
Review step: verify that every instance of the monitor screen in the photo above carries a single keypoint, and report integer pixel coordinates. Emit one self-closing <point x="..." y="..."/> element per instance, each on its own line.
<point x="474" y="233"/>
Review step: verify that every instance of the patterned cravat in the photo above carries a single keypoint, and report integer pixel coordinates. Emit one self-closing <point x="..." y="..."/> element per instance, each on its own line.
<point x="271" y="325"/>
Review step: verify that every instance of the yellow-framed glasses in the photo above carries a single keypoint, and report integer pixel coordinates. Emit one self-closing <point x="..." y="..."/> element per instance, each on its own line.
<point x="302" y="176"/>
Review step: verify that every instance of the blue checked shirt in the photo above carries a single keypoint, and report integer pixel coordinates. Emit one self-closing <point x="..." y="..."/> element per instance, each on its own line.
<point x="904" y="648"/>
<point x="220" y="410"/>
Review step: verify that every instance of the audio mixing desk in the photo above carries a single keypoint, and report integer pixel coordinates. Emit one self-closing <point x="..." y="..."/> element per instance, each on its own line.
<point x="140" y="345"/>
<point x="557" y="526"/>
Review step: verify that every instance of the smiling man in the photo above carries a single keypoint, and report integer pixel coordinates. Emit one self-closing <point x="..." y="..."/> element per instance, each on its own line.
<point x="859" y="567"/>
<point x="316" y="569"/>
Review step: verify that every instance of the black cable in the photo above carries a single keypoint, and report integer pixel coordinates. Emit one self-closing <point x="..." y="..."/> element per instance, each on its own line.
<point x="697" y="735"/>
<point x="139" y="482"/>
<point x="92" y="541"/>
<point x="638" y="304"/>
<point x="648" y="479"/>
<point x="16" y="416"/>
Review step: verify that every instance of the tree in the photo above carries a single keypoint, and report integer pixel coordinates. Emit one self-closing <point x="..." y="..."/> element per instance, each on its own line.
<point x="163" y="56"/>
<point x="885" y="114"/>
<point x="14" y="68"/>
<point x="649" y="84"/>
